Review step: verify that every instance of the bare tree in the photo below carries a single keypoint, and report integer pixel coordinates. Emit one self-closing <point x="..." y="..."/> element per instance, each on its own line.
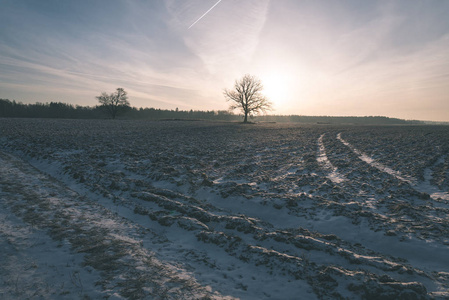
<point x="247" y="96"/>
<point x="115" y="102"/>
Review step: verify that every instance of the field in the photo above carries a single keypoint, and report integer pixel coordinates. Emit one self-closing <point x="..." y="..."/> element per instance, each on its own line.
<point x="189" y="210"/>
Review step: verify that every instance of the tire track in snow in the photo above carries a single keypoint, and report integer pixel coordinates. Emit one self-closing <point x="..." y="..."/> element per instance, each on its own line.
<point x="324" y="161"/>
<point x="372" y="162"/>
<point x="432" y="190"/>
<point x="424" y="187"/>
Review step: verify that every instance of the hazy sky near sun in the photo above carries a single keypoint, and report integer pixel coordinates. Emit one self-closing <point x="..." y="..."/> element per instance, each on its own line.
<point x="314" y="57"/>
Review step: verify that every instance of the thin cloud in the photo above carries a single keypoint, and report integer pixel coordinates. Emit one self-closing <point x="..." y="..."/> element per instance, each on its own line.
<point x="230" y="38"/>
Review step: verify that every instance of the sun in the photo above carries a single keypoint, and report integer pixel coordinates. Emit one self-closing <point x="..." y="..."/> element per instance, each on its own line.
<point x="275" y="88"/>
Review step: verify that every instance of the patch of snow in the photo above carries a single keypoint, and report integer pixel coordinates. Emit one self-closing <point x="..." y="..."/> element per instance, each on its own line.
<point x="424" y="187"/>
<point x="434" y="192"/>
<point x="322" y="159"/>
<point x="372" y="162"/>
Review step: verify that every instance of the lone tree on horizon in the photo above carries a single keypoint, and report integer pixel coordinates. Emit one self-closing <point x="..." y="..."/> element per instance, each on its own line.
<point x="247" y="96"/>
<point x="115" y="102"/>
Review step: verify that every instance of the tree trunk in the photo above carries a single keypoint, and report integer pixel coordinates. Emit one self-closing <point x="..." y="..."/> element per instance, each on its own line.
<point x="245" y="120"/>
<point x="113" y="112"/>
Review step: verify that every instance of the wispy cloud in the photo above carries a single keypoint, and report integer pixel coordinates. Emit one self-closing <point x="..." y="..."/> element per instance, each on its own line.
<point x="228" y="36"/>
<point x="351" y="64"/>
<point x="97" y="58"/>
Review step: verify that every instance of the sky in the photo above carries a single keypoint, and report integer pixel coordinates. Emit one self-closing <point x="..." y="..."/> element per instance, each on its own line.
<point x="314" y="57"/>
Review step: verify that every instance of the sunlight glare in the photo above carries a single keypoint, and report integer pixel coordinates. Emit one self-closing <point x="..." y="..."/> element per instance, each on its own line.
<point x="275" y="88"/>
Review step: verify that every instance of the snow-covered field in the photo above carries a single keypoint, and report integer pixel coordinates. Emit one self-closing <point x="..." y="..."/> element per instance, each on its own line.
<point x="187" y="210"/>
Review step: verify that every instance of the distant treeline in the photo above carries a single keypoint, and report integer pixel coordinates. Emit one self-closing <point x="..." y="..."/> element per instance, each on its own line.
<point x="58" y="110"/>
<point x="13" y="109"/>
<point x="372" y="120"/>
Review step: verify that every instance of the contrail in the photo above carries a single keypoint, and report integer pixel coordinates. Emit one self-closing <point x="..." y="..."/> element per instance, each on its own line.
<point x="204" y="14"/>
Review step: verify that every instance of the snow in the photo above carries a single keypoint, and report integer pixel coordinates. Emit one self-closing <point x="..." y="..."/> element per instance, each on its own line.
<point x="434" y="192"/>
<point x="334" y="176"/>
<point x="34" y="265"/>
<point x="369" y="160"/>
<point x="424" y="186"/>
<point x="220" y="210"/>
